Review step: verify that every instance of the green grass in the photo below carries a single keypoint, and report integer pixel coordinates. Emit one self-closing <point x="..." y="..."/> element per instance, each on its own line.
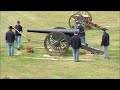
<point x="23" y="67"/>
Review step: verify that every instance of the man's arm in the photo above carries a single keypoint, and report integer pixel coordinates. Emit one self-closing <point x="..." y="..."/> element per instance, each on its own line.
<point x="103" y="39"/>
<point x="79" y="42"/>
<point x="109" y="39"/>
<point x="21" y="29"/>
<point x="13" y="36"/>
<point x="71" y="42"/>
<point x="81" y="31"/>
<point x="6" y="37"/>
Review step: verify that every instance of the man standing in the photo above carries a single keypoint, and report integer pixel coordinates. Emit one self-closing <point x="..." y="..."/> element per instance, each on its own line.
<point x="10" y="37"/>
<point x="75" y="44"/>
<point x="18" y="34"/>
<point x="82" y="33"/>
<point x="105" y="42"/>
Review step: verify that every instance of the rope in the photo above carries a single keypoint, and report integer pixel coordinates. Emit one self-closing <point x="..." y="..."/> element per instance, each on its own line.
<point x="16" y="29"/>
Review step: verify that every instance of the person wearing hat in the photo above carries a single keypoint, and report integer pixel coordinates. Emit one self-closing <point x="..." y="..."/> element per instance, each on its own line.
<point x="18" y="27"/>
<point x="75" y="44"/>
<point x="10" y="38"/>
<point x="82" y="33"/>
<point x="105" y="42"/>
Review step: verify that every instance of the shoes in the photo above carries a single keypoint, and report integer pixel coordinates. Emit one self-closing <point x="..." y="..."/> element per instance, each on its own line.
<point x="107" y="58"/>
<point x="76" y="61"/>
<point x="86" y="44"/>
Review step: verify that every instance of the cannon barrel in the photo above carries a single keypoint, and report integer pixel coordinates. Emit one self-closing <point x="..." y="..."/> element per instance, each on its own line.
<point x="69" y="32"/>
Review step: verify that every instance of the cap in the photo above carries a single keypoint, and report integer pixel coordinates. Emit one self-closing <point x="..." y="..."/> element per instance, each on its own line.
<point x="75" y="33"/>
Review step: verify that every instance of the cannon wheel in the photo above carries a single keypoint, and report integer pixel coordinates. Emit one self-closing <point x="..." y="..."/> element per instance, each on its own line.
<point x="68" y="37"/>
<point x="78" y="17"/>
<point x="56" y="43"/>
<point x="85" y="13"/>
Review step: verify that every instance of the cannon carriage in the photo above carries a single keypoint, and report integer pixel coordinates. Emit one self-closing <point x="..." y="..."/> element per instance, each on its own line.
<point x="57" y="42"/>
<point x="82" y="17"/>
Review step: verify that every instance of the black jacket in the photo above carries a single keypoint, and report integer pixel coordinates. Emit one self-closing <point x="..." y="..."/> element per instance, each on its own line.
<point x="81" y="30"/>
<point x="105" y="39"/>
<point x="19" y="28"/>
<point x="75" y="42"/>
<point x="10" y="36"/>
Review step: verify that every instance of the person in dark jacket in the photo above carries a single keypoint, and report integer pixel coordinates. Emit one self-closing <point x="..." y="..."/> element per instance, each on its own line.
<point x="10" y="38"/>
<point x="75" y="44"/>
<point x="82" y="33"/>
<point x="105" y="42"/>
<point x="18" y="34"/>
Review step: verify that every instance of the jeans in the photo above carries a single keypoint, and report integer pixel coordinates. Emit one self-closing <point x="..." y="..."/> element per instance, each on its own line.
<point x="106" y="52"/>
<point x="18" y="38"/>
<point x="76" y="54"/>
<point x="10" y="49"/>
<point x="82" y="38"/>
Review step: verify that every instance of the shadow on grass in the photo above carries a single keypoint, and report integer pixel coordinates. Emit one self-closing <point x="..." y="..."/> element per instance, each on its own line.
<point x="70" y="53"/>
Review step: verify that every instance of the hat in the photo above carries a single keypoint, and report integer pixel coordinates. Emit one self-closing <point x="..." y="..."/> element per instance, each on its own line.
<point x="75" y="33"/>
<point x="10" y="27"/>
<point x="18" y="21"/>
<point x="104" y="29"/>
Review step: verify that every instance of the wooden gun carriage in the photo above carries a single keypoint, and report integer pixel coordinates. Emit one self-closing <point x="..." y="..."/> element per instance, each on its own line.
<point x="58" y="40"/>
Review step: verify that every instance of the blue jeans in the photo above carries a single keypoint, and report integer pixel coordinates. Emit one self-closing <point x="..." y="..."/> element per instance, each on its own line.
<point x="18" y="38"/>
<point x="82" y="38"/>
<point x="106" y="52"/>
<point x="10" y="49"/>
<point x="76" y="54"/>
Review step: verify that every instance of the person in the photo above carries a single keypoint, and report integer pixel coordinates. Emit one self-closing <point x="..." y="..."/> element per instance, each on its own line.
<point x="75" y="44"/>
<point x="18" y="27"/>
<point x="82" y="33"/>
<point x="10" y="38"/>
<point x="105" y="42"/>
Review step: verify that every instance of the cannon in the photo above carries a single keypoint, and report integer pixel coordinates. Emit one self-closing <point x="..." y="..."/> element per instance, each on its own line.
<point x="80" y="16"/>
<point x="58" y="40"/>
<point x="84" y="17"/>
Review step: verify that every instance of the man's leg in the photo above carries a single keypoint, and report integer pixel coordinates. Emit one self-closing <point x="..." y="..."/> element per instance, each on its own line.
<point x="106" y="52"/>
<point x="9" y="53"/>
<point x="77" y="54"/>
<point x="82" y="40"/>
<point x="12" y="49"/>
<point x="19" y="38"/>
<point x="74" y="57"/>
<point x="17" y="41"/>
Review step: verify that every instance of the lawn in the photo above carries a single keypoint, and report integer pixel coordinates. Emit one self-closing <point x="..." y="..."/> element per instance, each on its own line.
<point x="25" y="67"/>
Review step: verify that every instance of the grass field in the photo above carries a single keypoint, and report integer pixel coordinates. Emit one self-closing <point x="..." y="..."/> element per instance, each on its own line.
<point x="24" y="67"/>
